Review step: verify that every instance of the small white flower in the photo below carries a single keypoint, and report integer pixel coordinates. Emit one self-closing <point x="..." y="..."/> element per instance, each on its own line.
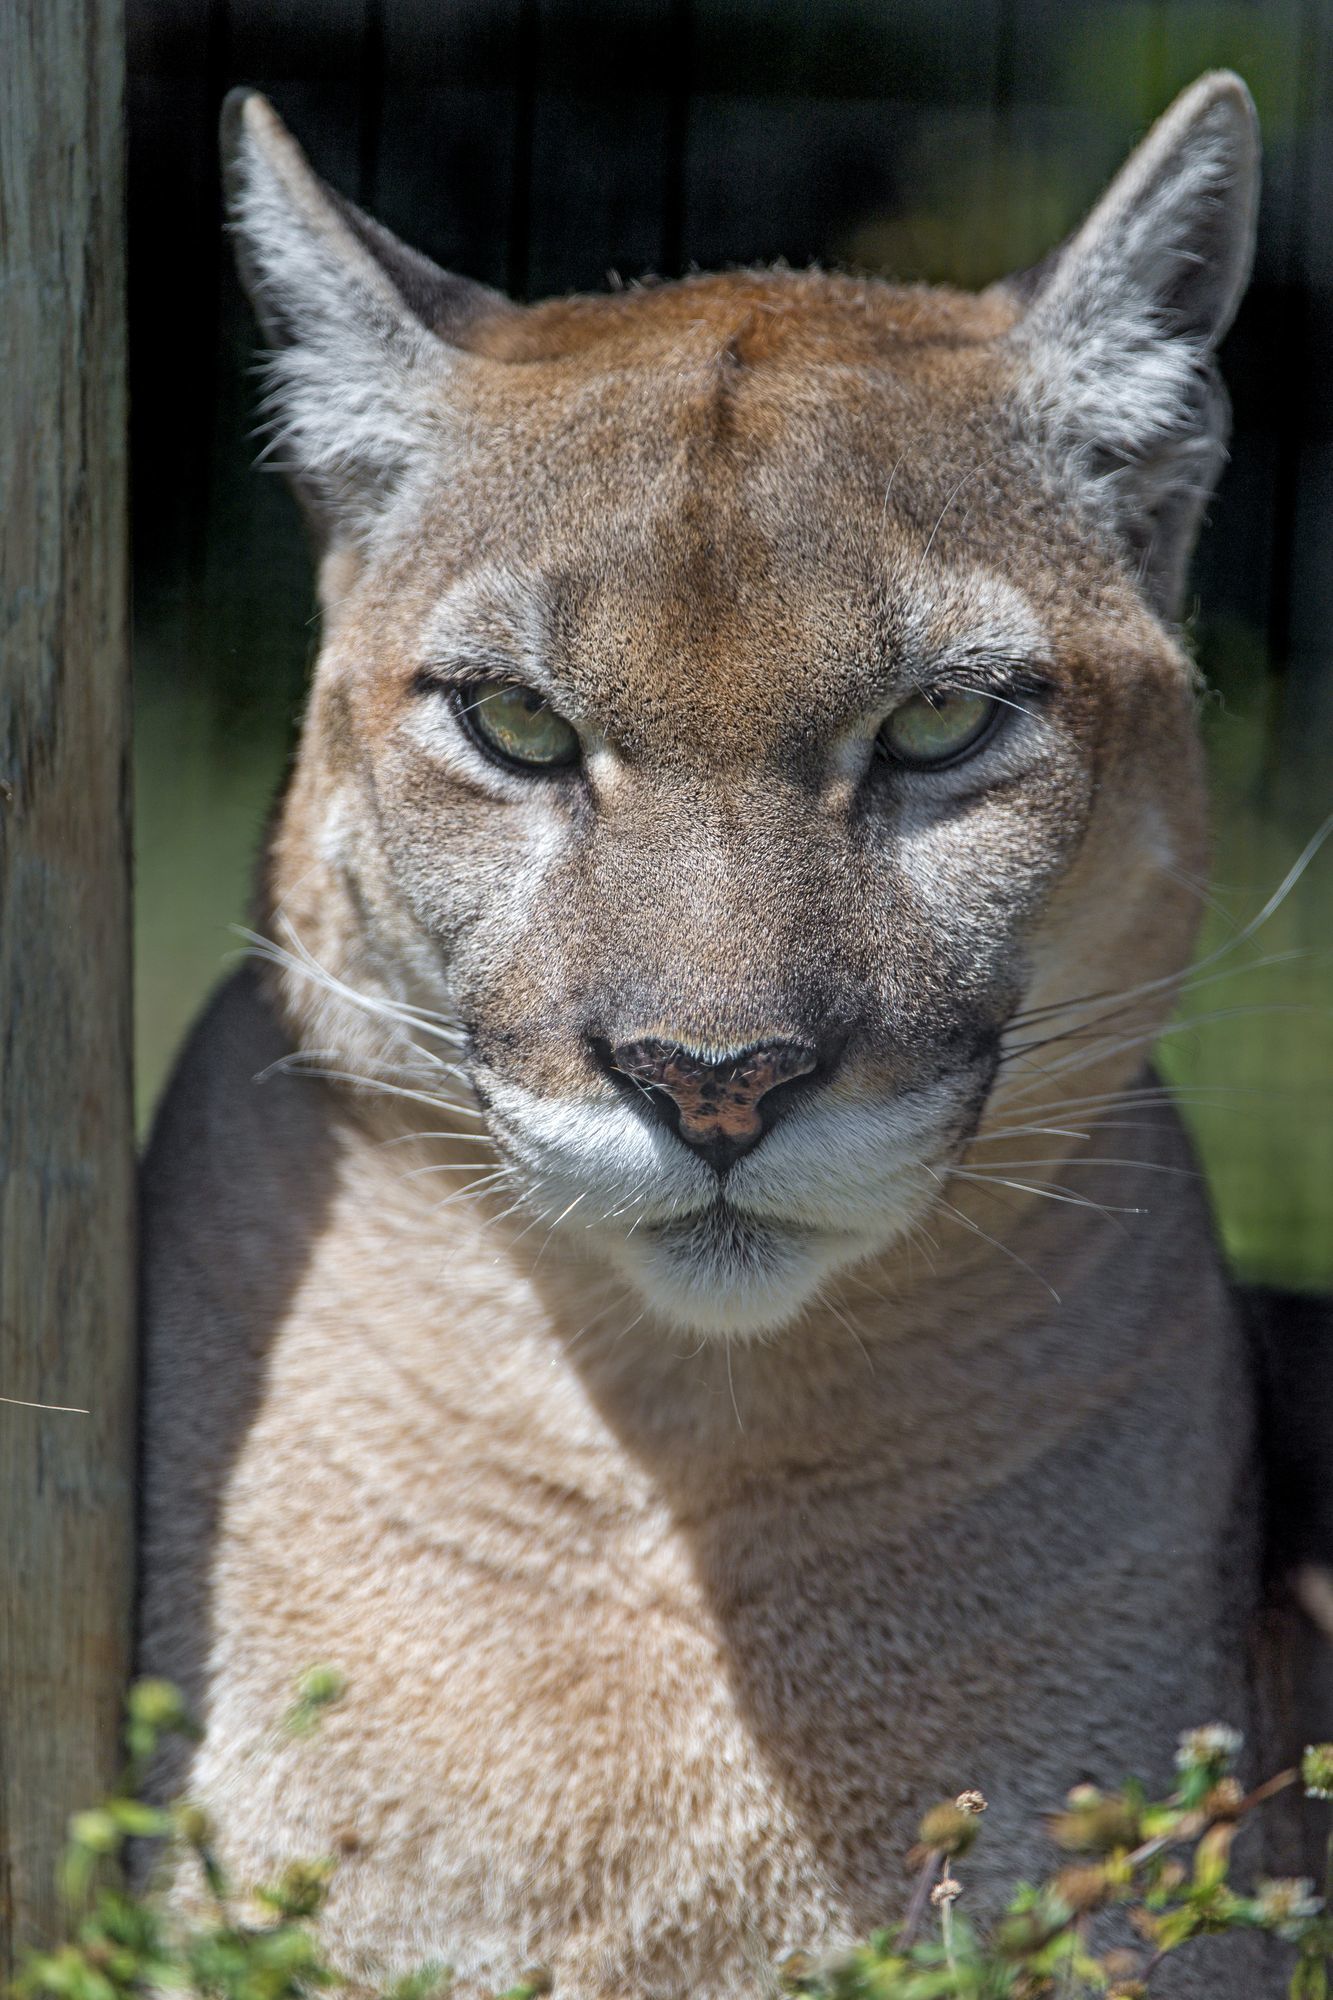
<point x="1285" y="1904"/>
<point x="1214" y="1746"/>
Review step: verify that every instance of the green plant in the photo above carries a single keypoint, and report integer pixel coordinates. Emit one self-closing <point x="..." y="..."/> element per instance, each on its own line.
<point x="1161" y="1868"/>
<point x="1164" y="1865"/>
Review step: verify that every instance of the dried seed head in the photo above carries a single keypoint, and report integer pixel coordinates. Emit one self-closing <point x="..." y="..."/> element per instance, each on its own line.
<point x="946" y="1890"/>
<point x="1225" y="1799"/>
<point x="948" y="1829"/>
<point x="1121" y="1964"/>
<point x="1083" y="1889"/>
<point x="970" y="1802"/>
<point x="1105" y="1822"/>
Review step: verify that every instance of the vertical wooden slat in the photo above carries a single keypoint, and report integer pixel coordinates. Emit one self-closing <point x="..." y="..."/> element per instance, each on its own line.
<point x="66" y="1161"/>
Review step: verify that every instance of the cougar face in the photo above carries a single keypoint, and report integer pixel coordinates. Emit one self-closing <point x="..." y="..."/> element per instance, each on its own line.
<point x="742" y="703"/>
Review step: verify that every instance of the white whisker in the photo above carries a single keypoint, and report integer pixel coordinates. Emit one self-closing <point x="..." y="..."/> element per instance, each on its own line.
<point x="1049" y="1190"/>
<point x="957" y="1214"/>
<point x="1079" y="1160"/>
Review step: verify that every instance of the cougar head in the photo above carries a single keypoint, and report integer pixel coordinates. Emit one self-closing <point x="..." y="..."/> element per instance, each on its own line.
<point x="742" y="701"/>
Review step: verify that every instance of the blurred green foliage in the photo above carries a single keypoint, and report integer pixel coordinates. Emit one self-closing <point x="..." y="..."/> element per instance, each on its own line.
<point x="1159" y="1869"/>
<point x="1252" y="1052"/>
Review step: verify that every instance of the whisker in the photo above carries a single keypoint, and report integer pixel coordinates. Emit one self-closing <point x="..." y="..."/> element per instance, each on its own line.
<point x="1049" y="1190"/>
<point x="62" y="1409"/>
<point x="551" y="1228"/>
<point x="528" y="1227"/>
<point x="637" y="1220"/>
<point x="627" y="1201"/>
<point x="975" y="472"/>
<point x="843" y="1321"/>
<point x="1188" y="981"/>
<point x="613" y="1304"/>
<point x="298" y="958"/>
<point x="731" y="1385"/>
<point x="1190" y="1022"/>
<point x="1144" y="1096"/>
<point x="989" y="694"/>
<point x="948" y="1208"/>
<point x="414" y="1137"/>
<point x="1256" y="923"/>
<point x="522" y="1201"/>
<point x="1078" y="1160"/>
<point x="439" y="1167"/>
<point x="1105" y="1050"/>
<point x="473" y="1187"/>
<point x="369" y="1083"/>
<point x="1029" y="1131"/>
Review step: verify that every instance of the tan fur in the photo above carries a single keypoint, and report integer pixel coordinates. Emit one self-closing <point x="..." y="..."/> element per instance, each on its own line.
<point x="673" y="1578"/>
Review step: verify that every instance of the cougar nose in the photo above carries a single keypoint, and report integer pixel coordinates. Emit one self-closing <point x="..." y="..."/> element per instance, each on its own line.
<point x="712" y="1101"/>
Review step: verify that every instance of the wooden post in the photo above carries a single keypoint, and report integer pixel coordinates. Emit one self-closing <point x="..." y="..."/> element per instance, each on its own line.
<point x="66" y="1136"/>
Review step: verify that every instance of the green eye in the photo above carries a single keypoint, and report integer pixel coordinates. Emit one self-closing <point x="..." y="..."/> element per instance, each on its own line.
<point x="516" y="725"/>
<point x="939" y="728"/>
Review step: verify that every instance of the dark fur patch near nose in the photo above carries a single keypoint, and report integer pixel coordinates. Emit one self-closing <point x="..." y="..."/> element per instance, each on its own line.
<point x="715" y="1099"/>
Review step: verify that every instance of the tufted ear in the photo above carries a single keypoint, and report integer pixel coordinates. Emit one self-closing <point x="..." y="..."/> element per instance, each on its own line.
<point x="359" y="326"/>
<point x="1123" y="322"/>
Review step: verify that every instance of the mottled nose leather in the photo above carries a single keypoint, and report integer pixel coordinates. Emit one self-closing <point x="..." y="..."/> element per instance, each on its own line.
<point x="716" y="1100"/>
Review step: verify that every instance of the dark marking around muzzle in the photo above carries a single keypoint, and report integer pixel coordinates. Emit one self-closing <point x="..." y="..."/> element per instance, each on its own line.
<point x="716" y="1100"/>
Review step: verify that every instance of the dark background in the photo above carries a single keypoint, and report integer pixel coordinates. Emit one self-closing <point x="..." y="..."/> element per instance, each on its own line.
<point x="541" y="145"/>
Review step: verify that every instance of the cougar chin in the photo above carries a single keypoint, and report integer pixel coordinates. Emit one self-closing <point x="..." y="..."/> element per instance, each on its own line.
<point x="725" y="1273"/>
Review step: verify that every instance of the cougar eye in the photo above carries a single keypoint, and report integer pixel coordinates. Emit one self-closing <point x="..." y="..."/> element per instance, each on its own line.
<point x="516" y="725"/>
<point x="939" y="728"/>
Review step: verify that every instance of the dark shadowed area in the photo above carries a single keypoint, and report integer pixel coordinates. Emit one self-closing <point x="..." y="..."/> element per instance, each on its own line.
<point x="543" y="145"/>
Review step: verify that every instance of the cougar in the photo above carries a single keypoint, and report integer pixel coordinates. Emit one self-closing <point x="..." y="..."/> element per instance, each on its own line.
<point x="670" y="1268"/>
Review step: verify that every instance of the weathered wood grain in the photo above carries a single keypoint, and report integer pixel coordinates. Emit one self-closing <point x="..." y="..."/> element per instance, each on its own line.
<point x="66" y="1158"/>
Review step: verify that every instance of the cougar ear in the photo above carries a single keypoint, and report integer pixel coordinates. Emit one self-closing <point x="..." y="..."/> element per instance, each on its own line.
<point x="1122" y="325"/>
<point x="359" y="326"/>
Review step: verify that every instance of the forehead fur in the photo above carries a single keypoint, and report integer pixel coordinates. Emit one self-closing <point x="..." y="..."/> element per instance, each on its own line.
<point x="751" y="319"/>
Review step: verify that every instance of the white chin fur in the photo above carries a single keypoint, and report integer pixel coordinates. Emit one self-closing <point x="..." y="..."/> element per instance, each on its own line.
<point x="726" y="1275"/>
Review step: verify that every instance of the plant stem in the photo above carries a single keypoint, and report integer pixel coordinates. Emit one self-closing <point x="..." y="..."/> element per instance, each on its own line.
<point x="946" y="1932"/>
<point x="920" y="1891"/>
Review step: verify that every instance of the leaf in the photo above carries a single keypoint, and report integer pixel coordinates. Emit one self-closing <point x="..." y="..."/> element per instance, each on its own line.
<point x="1212" y="1857"/>
<point x="1309" y="1981"/>
<point x="132" y="1816"/>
